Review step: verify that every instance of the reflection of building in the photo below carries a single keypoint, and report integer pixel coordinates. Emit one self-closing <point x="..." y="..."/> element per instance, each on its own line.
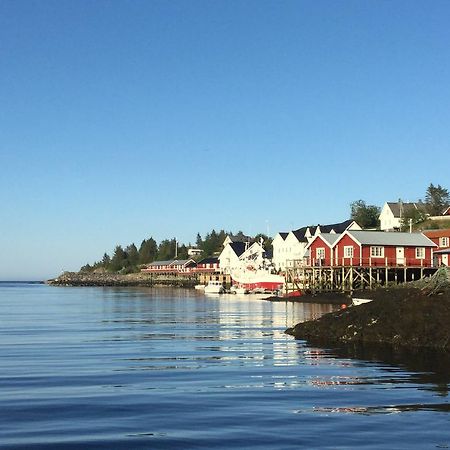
<point x="256" y="320"/>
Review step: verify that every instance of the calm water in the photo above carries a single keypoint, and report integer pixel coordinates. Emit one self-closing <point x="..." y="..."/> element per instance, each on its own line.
<point x="93" y="368"/>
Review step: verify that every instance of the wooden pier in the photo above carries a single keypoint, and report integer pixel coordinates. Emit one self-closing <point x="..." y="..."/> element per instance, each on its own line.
<point x="346" y="278"/>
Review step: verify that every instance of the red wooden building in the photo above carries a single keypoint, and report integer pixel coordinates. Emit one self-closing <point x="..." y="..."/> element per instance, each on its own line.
<point x="208" y="265"/>
<point x="371" y="248"/>
<point x="173" y="266"/>
<point x="440" y="237"/>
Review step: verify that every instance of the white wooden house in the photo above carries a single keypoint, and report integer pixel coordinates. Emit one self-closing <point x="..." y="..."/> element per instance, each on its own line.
<point x="229" y="257"/>
<point x="292" y="246"/>
<point x="392" y="213"/>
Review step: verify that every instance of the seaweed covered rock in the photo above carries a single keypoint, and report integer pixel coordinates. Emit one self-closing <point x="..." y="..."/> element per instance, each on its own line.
<point x="438" y="283"/>
<point x="406" y="317"/>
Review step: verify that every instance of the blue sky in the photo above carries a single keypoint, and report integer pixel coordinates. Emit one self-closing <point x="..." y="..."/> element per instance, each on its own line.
<point x="121" y="120"/>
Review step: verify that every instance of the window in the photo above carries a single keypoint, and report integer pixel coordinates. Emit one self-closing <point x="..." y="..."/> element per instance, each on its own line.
<point x="444" y="242"/>
<point x="377" y="252"/>
<point x="348" y="251"/>
<point x="320" y="253"/>
<point x="420" y="252"/>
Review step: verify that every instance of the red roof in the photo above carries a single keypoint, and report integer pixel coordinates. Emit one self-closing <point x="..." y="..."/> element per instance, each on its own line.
<point x="437" y="233"/>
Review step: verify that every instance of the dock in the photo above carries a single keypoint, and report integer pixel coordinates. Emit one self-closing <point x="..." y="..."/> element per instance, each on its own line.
<point x="349" y="278"/>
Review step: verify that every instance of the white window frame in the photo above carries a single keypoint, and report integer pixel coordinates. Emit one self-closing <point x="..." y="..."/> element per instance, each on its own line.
<point x="420" y="252"/>
<point x="444" y="241"/>
<point x="320" y="253"/>
<point x="376" y="251"/>
<point x="349" y="251"/>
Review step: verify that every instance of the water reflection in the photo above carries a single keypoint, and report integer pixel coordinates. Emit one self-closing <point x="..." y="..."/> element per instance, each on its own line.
<point x="109" y="368"/>
<point x="387" y="409"/>
<point x="189" y="331"/>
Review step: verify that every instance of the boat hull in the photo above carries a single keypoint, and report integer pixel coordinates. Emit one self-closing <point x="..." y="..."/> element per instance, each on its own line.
<point x="255" y="280"/>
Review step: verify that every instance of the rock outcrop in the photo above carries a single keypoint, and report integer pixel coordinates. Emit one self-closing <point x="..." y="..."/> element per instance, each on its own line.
<point x="397" y="317"/>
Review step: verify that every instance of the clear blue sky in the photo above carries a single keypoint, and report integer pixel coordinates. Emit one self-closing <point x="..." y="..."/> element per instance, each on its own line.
<point x="121" y="120"/>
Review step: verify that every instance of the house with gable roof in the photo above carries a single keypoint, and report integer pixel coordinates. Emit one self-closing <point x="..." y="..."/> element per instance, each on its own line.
<point x="392" y="213"/>
<point x="208" y="265"/>
<point x="229" y="257"/>
<point x="172" y="266"/>
<point x="321" y="249"/>
<point x="292" y="246"/>
<point x="372" y="248"/>
<point x="234" y="253"/>
<point x="442" y="239"/>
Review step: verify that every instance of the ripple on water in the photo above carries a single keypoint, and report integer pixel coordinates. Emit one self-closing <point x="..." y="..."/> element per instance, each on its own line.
<point x="162" y="369"/>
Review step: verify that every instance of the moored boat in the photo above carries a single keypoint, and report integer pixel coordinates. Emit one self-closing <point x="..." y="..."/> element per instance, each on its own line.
<point x="214" y="287"/>
<point x="250" y="278"/>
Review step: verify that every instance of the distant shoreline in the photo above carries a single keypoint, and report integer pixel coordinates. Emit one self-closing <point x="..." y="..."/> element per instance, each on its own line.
<point x="114" y="279"/>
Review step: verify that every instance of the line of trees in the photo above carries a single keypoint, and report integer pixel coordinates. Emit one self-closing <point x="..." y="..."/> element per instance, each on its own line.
<point x="130" y="259"/>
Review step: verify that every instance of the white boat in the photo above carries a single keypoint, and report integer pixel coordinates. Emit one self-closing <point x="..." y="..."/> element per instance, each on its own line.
<point x="214" y="287"/>
<point x="360" y="301"/>
<point x="254" y="271"/>
<point x="199" y="287"/>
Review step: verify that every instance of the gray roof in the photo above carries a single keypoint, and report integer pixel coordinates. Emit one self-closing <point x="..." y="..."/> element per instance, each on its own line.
<point x="395" y="207"/>
<point x="329" y="238"/>
<point x="161" y="263"/>
<point x="443" y="251"/>
<point x="180" y="261"/>
<point x="397" y="239"/>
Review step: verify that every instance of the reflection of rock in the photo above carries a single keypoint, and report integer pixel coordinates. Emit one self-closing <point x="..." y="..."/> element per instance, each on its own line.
<point x="114" y="279"/>
<point x="431" y="367"/>
<point x="402" y="317"/>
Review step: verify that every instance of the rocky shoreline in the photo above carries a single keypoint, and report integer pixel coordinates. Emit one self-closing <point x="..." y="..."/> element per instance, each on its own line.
<point x="119" y="280"/>
<point x="397" y="318"/>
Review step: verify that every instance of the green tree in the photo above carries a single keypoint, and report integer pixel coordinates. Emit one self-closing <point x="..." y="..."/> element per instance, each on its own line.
<point x="148" y="251"/>
<point x="437" y="199"/>
<point x="119" y="259"/>
<point x="267" y="241"/>
<point x="412" y="216"/>
<point x="86" y="268"/>
<point x="105" y="262"/>
<point x="366" y="216"/>
<point x="182" y="252"/>
<point x="132" y="255"/>
<point x="166" y="249"/>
